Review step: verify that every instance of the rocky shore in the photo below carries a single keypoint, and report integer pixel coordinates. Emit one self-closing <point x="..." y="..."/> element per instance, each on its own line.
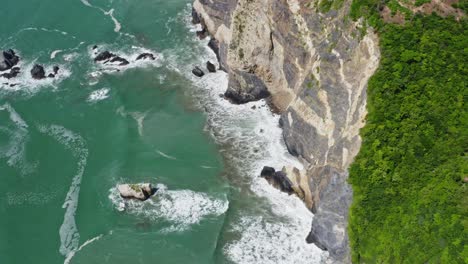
<point x="313" y="68"/>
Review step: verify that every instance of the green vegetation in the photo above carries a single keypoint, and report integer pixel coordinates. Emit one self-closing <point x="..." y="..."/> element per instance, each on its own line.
<point x="410" y="202"/>
<point x="327" y="5"/>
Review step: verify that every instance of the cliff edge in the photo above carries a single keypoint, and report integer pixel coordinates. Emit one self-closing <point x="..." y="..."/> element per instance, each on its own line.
<point x="314" y="64"/>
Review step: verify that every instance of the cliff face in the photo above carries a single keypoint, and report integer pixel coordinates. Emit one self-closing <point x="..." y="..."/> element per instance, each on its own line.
<point x="315" y="66"/>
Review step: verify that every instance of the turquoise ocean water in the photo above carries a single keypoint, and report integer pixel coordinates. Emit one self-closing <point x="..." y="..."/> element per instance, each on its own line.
<point x="66" y="142"/>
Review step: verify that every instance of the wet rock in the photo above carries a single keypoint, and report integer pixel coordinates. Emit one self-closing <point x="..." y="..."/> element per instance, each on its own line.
<point x="51" y="75"/>
<point x="104" y="56"/>
<point x="198" y="72"/>
<point x="8" y="59"/>
<point x="201" y="34"/>
<point x="37" y="72"/>
<point x="146" y="55"/>
<point x="56" y="69"/>
<point x="140" y="191"/>
<point x="195" y="17"/>
<point x="245" y="87"/>
<point x="13" y="73"/>
<point x="95" y="47"/>
<point x="120" y="60"/>
<point x="312" y="239"/>
<point x="278" y="179"/>
<point x="214" y="45"/>
<point x="210" y="66"/>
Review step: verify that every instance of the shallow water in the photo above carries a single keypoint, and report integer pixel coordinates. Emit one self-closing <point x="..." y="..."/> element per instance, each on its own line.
<point x="66" y="142"/>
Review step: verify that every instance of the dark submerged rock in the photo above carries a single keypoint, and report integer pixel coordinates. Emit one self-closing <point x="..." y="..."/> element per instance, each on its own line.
<point x="121" y="60"/>
<point x="210" y="66"/>
<point x="13" y="73"/>
<point x="144" y="56"/>
<point x="198" y="72"/>
<point x="37" y="72"/>
<point x="103" y="56"/>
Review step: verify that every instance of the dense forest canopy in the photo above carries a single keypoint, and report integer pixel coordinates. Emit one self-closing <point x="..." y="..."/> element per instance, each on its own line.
<point x="409" y="179"/>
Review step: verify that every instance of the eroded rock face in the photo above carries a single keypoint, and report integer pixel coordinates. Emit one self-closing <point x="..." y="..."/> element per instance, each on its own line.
<point x="315" y="68"/>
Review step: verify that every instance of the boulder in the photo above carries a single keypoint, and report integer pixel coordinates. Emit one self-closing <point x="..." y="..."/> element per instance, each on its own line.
<point x="210" y="66"/>
<point x="198" y="72"/>
<point x="37" y="72"/>
<point x="56" y="69"/>
<point x="140" y="191"/>
<point x="51" y="75"/>
<point x="144" y="56"/>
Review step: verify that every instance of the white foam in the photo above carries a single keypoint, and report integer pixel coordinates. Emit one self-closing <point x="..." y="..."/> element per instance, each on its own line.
<point x="118" y="26"/>
<point x="254" y="140"/>
<point x="15" y="150"/>
<point x="69" y="235"/>
<point x="24" y="81"/>
<point x="87" y="242"/>
<point x="181" y="208"/>
<point x="54" y="53"/>
<point x="86" y="3"/>
<point x="165" y="155"/>
<point x="98" y="95"/>
<point x="139" y="118"/>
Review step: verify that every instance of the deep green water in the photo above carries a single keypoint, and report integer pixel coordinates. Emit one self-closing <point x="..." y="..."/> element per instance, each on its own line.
<point x="65" y="144"/>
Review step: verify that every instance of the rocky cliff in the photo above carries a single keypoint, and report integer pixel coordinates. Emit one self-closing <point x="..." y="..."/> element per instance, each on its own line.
<point x="314" y="67"/>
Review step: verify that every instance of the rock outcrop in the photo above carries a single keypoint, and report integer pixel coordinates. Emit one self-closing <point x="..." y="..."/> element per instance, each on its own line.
<point x="314" y="69"/>
<point x="108" y="57"/>
<point x="8" y="59"/>
<point x="140" y="191"/>
<point x="38" y="72"/>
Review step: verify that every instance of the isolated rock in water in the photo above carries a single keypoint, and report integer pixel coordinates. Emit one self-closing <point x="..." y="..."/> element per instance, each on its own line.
<point x="51" y="75"/>
<point x="146" y="55"/>
<point x="37" y="72"/>
<point x="56" y="69"/>
<point x="8" y="59"/>
<point x="95" y="47"/>
<point x="121" y="60"/>
<point x="13" y="73"/>
<point x="197" y="71"/>
<point x="140" y="191"/>
<point x="210" y="66"/>
<point x="103" y="56"/>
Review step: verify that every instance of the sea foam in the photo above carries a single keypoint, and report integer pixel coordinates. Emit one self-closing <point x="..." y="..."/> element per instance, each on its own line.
<point x="69" y="235"/>
<point x="180" y="208"/>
